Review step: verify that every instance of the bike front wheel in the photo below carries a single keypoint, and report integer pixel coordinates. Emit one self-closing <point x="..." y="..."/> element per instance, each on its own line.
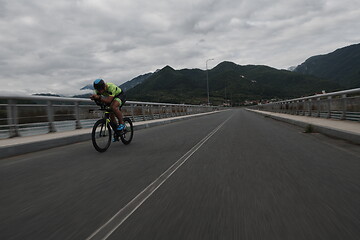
<point x="127" y="134"/>
<point x="101" y="135"/>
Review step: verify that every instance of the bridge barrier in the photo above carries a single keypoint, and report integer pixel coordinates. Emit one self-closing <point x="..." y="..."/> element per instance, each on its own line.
<point x="344" y="105"/>
<point x="34" y="115"/>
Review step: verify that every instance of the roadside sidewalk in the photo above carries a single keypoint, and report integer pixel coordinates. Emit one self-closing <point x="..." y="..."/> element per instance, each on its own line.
<point x="21" y="145"/>
<point x="341" y="129"/>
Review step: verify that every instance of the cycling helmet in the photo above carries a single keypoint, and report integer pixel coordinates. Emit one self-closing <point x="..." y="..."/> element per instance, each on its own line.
<point x="99" y="84"/>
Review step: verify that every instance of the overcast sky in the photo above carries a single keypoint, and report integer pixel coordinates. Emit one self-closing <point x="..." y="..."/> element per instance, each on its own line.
<point x="59" y="46"/>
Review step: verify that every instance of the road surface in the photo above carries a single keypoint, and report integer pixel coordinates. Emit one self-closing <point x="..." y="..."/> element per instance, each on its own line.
<point x="230" y="175"/>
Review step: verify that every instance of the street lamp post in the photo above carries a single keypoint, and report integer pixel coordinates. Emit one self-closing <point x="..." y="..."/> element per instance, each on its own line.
<point x="207" y="80"/>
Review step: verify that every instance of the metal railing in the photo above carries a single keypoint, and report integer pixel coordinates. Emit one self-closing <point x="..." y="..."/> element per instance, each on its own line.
<point x="32" y="115"/>
<point x="344" y="105"/>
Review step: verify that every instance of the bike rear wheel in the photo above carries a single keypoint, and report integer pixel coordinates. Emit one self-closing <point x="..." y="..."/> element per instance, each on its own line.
<point x="127" y="134"/>
<point x="101" y="135"/>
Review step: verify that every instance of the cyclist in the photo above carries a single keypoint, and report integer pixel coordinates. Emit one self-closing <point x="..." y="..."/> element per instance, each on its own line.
<point x="113" y="96"/>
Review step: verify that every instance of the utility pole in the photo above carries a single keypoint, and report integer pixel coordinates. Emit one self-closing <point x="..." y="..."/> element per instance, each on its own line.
<point x="207" y="80"/>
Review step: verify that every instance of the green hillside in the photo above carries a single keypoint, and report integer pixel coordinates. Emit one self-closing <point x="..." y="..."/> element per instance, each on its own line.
<point x="341" y="66"/>
<point x="228" y="82"/>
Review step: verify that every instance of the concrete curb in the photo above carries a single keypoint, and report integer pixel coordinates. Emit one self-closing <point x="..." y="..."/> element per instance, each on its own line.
<point x="19" y="149"/>
<point x="38" y="145"/>
<point x="328" y="131"/>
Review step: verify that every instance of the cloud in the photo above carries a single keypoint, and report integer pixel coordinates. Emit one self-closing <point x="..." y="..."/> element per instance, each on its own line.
<point x="63" y="45"/>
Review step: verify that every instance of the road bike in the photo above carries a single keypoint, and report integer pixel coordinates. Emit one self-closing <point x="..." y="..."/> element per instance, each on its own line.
<point x="102" y="131"/>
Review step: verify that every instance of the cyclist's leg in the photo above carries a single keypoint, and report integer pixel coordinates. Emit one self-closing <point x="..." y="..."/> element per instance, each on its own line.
<point x="113" y="118"/>
<point x="115" y="105"/>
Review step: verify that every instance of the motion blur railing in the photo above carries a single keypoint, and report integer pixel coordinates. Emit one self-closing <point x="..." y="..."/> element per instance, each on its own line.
<point x="32" y="115"/>
<point x="344" y="105"/>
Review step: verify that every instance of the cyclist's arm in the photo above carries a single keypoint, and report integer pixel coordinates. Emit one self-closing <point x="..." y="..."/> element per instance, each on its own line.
<point x="95" y="96"/>
<point x="107" y="100"/>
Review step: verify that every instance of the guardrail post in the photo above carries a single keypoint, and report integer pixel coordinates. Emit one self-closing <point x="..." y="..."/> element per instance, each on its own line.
<point x="77" y="116"/>
<point x="132" y="112"/>
<point x="344" y="106"/>
<point x="50" y="112"/>
<point x="291" y="108"/>
<point x="143" y="111"/>
<point x="159" y="111"/>
<point x="303" y="108"/>
<point x="151" y="112"/>
<point x="285" y="107"/>
<point x="329" y="107"/>
<point x="310" y="107"/>
<point x="318" y="107"/>
<point x="12" y="119"/>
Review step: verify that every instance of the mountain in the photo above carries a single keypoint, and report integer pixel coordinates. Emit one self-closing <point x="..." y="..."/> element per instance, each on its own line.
<point x="125" y="86"/>
<point x="227" y="82"/>
<point x="292" y="68"/>
<point x="88" y="87"/>
<point x="341" y="66"/>
<point x="135" y="81"/>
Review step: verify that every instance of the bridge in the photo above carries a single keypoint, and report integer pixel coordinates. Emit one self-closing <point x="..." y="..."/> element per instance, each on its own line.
<point x="219" y="174"/>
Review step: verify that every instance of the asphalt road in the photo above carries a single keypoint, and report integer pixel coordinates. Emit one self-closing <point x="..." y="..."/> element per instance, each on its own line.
<point x="230" y="175"/>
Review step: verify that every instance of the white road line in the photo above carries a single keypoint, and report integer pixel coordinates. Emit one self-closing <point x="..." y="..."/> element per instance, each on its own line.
<point x="120" y="217"/>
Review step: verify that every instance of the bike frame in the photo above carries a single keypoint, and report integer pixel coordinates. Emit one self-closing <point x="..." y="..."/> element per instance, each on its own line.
<point x="107" y="118"/>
